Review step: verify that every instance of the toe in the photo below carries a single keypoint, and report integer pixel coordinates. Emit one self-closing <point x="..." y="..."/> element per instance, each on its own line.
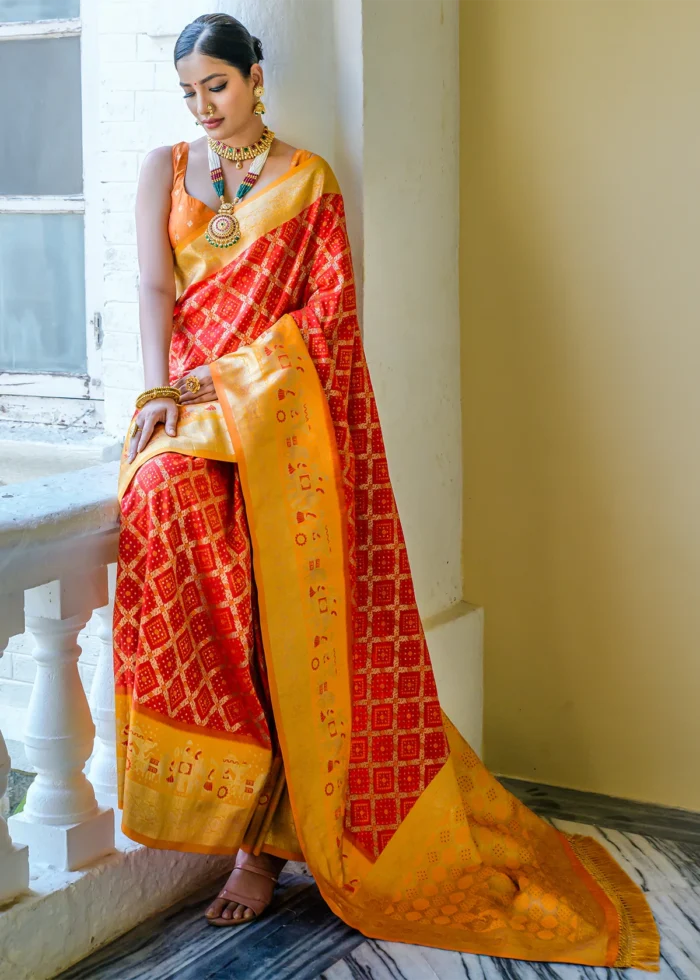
<point x="238" y="914"/>
<point x="228" y="911"/>
<point x="216" y="908"/>
<point x="249" y="914"/>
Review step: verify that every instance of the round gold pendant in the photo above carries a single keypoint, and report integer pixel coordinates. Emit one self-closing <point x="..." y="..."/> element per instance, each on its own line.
<point x="223" y="229"/>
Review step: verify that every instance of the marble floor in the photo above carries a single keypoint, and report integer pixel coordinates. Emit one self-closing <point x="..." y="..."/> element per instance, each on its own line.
<point x="300" y="939"/>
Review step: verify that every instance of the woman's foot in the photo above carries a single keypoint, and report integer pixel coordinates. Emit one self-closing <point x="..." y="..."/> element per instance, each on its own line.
<point x="248" y="891"/>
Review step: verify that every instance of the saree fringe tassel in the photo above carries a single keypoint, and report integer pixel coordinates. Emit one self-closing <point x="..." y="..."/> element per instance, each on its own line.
<point x="639" y="938"/>
<point x="274" y="686"/>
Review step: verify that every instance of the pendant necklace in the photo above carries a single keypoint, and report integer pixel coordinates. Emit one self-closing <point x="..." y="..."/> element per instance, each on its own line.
<point x="224" y="228"/>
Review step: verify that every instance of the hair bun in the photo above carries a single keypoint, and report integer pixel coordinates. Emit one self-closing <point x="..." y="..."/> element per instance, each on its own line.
<point x="219" y="36"/>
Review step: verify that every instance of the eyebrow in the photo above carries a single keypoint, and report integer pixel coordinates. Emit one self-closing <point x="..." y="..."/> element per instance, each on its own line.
<point x="217" y="74"/>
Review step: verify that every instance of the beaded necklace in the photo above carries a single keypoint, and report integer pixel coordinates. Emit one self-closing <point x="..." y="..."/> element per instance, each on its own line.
<point x="224" y="228"/>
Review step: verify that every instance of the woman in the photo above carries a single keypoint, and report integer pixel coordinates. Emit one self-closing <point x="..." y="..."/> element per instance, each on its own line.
<point x="274" y="690"/>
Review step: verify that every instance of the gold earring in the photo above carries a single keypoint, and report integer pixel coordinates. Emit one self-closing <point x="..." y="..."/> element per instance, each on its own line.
<point x="259" y="108"/>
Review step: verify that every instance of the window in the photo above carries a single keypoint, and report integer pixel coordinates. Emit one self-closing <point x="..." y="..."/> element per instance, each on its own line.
<point x="49" y="333"/>
<point x="13" y="11"/>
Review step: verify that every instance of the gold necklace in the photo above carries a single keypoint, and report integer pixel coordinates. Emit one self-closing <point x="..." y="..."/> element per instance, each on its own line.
<point x="237" y="154"/>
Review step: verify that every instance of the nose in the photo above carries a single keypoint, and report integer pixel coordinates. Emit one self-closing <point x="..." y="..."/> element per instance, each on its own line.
<point x="202" y="103"/>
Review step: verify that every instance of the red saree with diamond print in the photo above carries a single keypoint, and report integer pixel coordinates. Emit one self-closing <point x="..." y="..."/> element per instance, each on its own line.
<point x="274" y="687"/>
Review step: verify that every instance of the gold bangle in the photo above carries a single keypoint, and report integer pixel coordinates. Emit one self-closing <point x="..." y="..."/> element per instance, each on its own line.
<point x="162" y="392"/>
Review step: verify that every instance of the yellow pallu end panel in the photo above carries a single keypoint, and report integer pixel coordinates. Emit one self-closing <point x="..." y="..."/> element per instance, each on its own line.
<point x="201" y="431"/>
<point x="470" y="868"/>
<point x="187" y="789"/>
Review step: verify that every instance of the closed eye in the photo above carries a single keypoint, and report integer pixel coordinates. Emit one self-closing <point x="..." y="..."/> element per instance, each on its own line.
<point x="219" y="88"/>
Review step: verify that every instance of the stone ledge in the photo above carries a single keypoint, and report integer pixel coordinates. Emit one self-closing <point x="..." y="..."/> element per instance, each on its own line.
<point x="68" y="915"/>
<point x="58" y="507"/>
<point x="50" y="526"/>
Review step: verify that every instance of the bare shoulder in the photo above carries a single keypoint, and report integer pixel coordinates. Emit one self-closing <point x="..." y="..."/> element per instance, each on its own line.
<point x="284" y="152"/>
<point x="157" y="168"/>
<point x="198" y="149"/>
<point x="158" y="159"/>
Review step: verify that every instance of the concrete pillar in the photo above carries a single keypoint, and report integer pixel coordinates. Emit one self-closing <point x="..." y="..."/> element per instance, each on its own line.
<point x="411" y="315"/>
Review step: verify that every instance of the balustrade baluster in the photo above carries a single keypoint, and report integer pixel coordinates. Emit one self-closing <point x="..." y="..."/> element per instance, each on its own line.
<point x="61" y="821"/>
<point x="14" y="859"/>
<point x="102" y="771"/>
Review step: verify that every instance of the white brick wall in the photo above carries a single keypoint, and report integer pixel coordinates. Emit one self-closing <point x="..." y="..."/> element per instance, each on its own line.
<point x="140" y="108"/>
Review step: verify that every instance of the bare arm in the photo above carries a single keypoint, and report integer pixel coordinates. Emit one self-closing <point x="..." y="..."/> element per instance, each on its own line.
<point x="156" y="292"/>
<point x="156" y="280"/>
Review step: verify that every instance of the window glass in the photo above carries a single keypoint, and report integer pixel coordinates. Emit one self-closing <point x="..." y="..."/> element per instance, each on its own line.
<point x="40" y="121"/>
<point x="13" y="11"/>
<point x="42" y="295"/>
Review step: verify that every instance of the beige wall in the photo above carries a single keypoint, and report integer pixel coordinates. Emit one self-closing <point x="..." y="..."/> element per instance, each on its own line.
<point x="580" y="302"/>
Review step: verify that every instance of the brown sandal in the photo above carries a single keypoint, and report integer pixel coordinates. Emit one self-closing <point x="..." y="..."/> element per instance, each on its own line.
<point x="257" y="905"/>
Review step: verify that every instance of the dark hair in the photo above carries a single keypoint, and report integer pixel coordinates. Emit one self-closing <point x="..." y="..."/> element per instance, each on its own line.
<point x="220" y="36"/>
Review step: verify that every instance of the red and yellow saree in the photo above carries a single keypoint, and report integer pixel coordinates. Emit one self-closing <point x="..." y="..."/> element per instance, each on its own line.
<point x="274" y="688"/>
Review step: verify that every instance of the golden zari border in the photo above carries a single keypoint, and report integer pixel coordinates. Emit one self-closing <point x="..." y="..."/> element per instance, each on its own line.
<point x="199" y="791"/>
<point x="186" y="788"/>
<point x="258" y="216"/>
<point x="302" y="598"/>
<point x="201" y="431"/>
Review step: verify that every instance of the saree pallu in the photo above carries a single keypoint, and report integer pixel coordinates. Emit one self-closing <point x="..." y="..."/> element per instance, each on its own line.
<point x="274" y="687"/>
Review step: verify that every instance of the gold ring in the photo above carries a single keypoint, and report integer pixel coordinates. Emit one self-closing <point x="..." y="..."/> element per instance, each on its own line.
<point x="134" y="429"/>
<point x="192" y="384"/>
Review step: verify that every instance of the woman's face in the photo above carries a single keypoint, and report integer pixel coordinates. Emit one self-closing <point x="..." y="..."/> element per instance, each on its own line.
<point x="207" y="82"/>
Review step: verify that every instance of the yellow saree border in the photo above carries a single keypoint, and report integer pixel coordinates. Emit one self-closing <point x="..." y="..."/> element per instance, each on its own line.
<point x="216" y="781"/>
<point x="201" y="432"/>
<point x="191" y="729"/>
<point x="297" y="190"/>
<point x="301" y="159"/>
<point x="313" y="617"/>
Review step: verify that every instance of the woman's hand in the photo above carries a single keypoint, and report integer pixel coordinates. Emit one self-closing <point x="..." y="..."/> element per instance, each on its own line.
<point x="158" y="410"/>
<point x="206" y="391"/>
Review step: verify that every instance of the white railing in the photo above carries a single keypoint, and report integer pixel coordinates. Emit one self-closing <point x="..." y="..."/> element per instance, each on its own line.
<point x="58" y="539"/>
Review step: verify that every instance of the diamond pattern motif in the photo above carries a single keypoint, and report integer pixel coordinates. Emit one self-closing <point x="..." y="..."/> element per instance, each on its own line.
<point x="185" y="640"/>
